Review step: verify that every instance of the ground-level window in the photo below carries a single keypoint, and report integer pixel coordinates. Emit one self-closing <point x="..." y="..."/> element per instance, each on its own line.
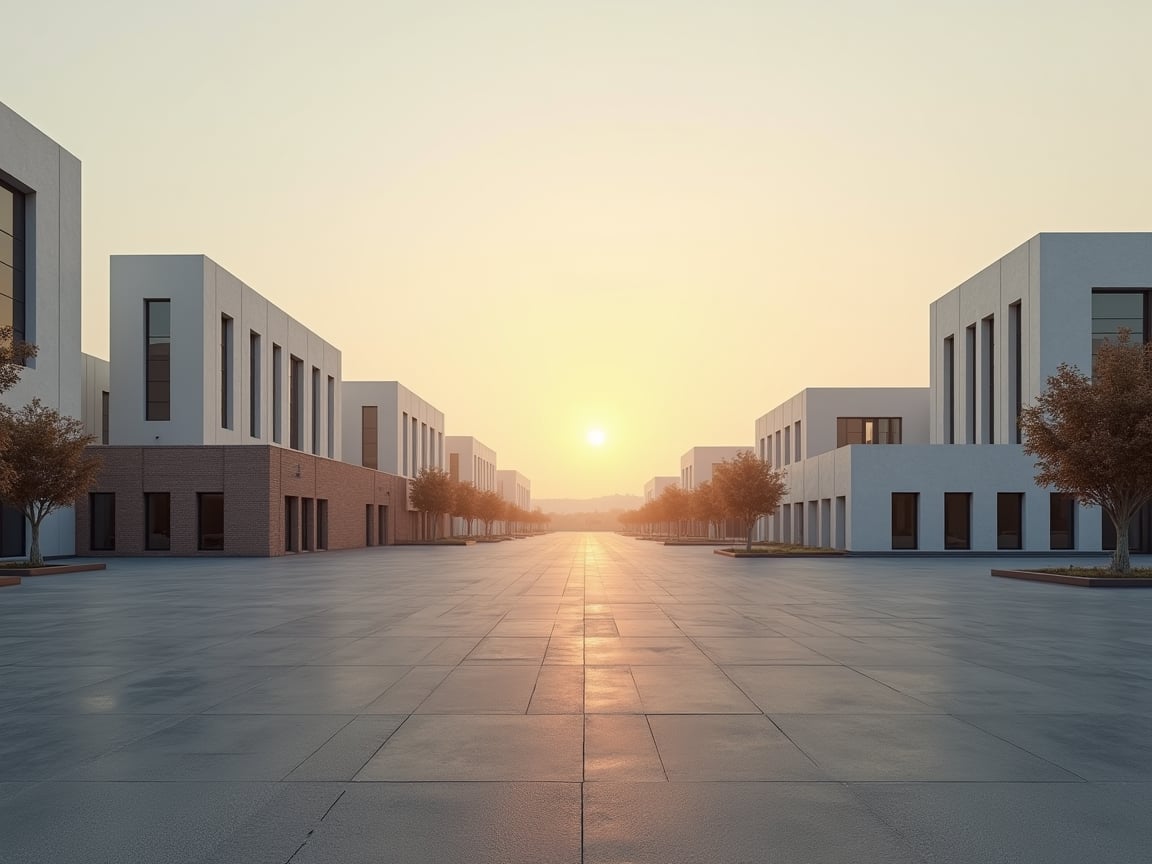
<point x="905" y="514"/>
<point x="102" y="519"/>
<point x="157" y="521"/>
<point x="1010" y="520"/>
<point x="211" y="519"/>
<point x="321" y="523"/>
<point x="11" y="532"/>
<point x="291" y="523"/>
<point x="1061" y="521"/>
<point x="957" y="520"/>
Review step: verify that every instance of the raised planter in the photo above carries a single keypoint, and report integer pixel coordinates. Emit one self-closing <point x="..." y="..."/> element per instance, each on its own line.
<point x="5" y="581"/>
<point x="741" y="553"/>
<point x="1081" y="581"/>
<point x="697" y="542"/>
<point x="50" y="569"/>
<point x="448" y="541"/>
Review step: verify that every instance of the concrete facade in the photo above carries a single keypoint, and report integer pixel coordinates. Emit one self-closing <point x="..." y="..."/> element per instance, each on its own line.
<point x="514" y="488"/>
<point x="40" y="283"/>
<point x="656" y="485"/>
<point x="96" y="397"/>
<point x="409" y="430"/>
<point x="471" y="461"/>
<point x="233" y="356"/>
<point x="696" y="465"/>
<point x="995" y="340"/>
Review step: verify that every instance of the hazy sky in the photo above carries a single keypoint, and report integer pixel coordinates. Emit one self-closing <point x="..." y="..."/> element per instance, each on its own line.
<point x="660" y="217"/>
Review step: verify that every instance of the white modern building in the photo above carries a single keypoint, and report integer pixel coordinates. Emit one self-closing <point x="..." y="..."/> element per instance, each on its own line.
<point x="391" y="429"/>
<point x="657" y="485"/>
<point x="514" y="488"/>
<point x="40" y="292"/>
<point x="696" y="465"/>
<point x="95" y="400"/>
<point x="470" y="461"/>
<point x="215" y="362"/>
<point x="967" y="485"/>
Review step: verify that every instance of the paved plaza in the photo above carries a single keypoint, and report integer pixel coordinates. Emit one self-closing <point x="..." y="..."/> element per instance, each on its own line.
<point x="572" y="698"/>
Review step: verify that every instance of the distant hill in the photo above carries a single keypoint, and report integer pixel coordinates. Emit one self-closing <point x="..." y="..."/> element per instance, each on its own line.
<point x="604" y="504"/>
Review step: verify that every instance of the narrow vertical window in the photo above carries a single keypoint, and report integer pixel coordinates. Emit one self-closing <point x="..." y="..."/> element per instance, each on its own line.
<point x="291" y="523"/>
<point x="295" y="402"/>
<point x="254" y="394"/>
<point x="157" y="521"/>
<point x="799" y="455"/>
<point x="369" y="436"/>
<point x="948" y="380"/>
<point x="415" y="469"/>
<point x="105" y="415"/>
<point x="102" y="519"/>
<point x="454" y="466"/>
<point x="988" y="377"/>
<point x="905" y="516"/>
<point x="316" y="411"/>
<point x="1015" y="375"/>
<point x="12" y="261"/>
<point x="970" y="388"/>
<point x="440" y="450"/>
<point x="1010" y="520"/>
<point x="423" y="445"/>
<point x="957" y="520"/>
<point x="1062" y="521"/>
<point x="331" y="417"/>
<point x="308" y="525"/>
<point x="321" y="523"/>
<point x="226" y="362"/>
<point x="404" y="450"/>
<point x="787" y="445"/>
<point x="277" y="394"/>
<point x="210" y="517"/>
<point x="778" y="459"/>
<point x="158" y="362"/>
<point x="367" y="524"/>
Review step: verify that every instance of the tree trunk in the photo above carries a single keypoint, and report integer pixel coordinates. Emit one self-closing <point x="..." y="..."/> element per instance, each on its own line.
<point x="751" y="528"/>
<point x="1121" y="560"/>
<point x="35" y="559"/>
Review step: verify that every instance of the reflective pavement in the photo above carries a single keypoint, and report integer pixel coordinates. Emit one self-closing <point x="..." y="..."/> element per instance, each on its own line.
<point x="572" y="698"/>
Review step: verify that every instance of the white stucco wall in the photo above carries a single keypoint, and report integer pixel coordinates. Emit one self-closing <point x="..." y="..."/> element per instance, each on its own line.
<point x="49" y="177"/>
<point x="514" y="487"/>
<point x="696" y="464"/>
<point x="94" y="384"/>
<point x="656" y="485"/>
<point x="201" y="293"/>
<point x="477" y="461"/>
<point x="397" y="405"/>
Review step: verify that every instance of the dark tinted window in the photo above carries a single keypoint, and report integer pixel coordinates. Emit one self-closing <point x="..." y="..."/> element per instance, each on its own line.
<point x="11" y="532"/>
<point x="211" y="520"/>
<point x="102" y="515"/>
<point x="1010" y="520"/>
<point x="1062" y="521"/>
<point x="905" y="520"/>
<point x="157" y="521"/>
<point x="957" y="520"/>
<point x="158" y="359"/>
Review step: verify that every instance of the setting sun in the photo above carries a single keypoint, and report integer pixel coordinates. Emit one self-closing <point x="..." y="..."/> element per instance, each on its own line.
<point x="595" y="437"/>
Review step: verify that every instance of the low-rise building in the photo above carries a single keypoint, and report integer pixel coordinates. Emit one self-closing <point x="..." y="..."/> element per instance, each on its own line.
<point x="654" y="487"/>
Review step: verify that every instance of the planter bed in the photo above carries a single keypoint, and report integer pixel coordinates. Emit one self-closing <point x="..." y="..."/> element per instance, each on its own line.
<point x="50" y="569"/>
<point x="5" y="581"/>
<point x="767" y="553"/>
<point x="1080" y="581"/>
<point x="697" y="542"/>
<point x="450" y="541"/>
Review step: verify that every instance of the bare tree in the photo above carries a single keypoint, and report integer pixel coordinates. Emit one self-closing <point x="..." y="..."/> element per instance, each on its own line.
<point x="1092" y="437"/>
<point x="48" y="466"/>
<point x="433" y="492"/>
<point x="749" y="489"/>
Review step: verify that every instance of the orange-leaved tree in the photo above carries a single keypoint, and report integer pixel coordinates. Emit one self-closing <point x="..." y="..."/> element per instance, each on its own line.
<point x="489" y="507"/>
<point x="47" y="465"/>
<point x="748" y="489"/>
<point x="433" y="491"/>
<point x="676" y="506"/>
<point x="465" y="503"/>
<point x="1092" y="437"/>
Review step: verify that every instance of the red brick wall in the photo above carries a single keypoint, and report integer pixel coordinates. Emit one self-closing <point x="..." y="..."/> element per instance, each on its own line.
<point x="255" y="481"/>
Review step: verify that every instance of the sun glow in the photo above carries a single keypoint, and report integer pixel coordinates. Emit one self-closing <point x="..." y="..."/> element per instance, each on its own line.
<point x="596" y="437"/>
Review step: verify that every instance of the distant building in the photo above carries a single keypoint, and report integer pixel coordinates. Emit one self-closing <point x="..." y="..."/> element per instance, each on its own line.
<point x="697" y="464"/>
<point x="391" y="429"/>
<point x="657" y="485"/>
<point x="470" y="461"/>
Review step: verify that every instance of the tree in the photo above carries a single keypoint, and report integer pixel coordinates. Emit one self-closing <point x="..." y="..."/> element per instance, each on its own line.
<point x="13" y="353"/>
<point x="675" y="505"/>
<point x="433" y="492"/>
<point x="748" y="488"/>
<point x="465" y="504"/>
<point x="48" y="466"/>
<point x="489" y="507"/>
<point x="1092" y="437"/>
<point x="707" y="507"/>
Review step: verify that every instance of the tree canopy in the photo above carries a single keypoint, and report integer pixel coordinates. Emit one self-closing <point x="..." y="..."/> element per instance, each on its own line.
<point x="433" y="491"/>
<point x="1092" y="437"/>
<point x="749" y="488"/>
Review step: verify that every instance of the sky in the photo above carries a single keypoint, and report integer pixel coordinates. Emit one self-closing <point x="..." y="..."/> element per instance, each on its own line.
<point x="657" y="218"/>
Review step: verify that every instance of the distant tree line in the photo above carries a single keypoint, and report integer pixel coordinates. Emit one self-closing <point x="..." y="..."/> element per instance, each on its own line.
<point x="435" y="493"/>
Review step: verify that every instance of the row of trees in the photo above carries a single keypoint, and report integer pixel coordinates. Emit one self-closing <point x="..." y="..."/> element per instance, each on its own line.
<point x="741" y="490"/>
<point x="434" y="492"/>
<point x="44" y="459"/>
